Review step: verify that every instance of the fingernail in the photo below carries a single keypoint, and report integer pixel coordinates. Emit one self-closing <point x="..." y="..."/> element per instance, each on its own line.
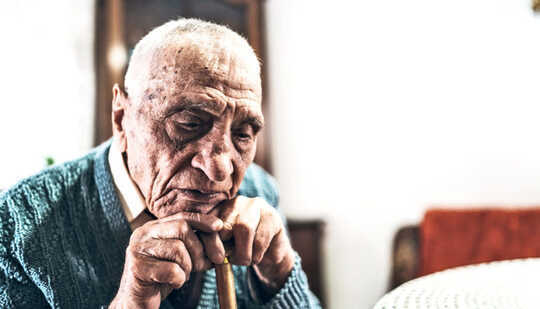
<point x="227" y="225"/>
<point x="218" y="225"/>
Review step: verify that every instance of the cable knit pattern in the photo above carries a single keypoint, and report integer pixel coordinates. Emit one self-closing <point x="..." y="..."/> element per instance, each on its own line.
<point x="63" y="237"/>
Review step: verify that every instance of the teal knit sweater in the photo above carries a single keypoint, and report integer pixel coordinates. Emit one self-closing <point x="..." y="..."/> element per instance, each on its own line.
<point x="63" y="237"/>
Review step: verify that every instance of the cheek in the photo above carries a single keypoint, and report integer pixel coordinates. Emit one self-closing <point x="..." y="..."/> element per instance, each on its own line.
<point x="242" y="163"/>
<point x="141" y="157"/>
<point x="150" y="152"/>
<point x="249" y="154"/>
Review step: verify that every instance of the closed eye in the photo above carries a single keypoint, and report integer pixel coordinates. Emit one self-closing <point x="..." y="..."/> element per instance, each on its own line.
<point x="188" y="121"/>
<point x="244" y="134"/>
<point x="191" y="126"/>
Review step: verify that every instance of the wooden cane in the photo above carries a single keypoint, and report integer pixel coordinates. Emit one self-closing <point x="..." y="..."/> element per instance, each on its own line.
<point x="225" y="285"/>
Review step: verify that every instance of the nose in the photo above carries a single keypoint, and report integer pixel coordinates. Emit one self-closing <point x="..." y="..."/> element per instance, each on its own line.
<point x="215" y="159"/>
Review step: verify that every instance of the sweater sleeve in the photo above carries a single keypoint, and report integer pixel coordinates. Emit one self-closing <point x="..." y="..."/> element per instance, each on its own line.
<point x="295" y="293"/>
<point x="16" y="289"/>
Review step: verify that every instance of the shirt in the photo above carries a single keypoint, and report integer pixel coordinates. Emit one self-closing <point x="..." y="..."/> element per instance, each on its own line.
<point x="132" y="201"/>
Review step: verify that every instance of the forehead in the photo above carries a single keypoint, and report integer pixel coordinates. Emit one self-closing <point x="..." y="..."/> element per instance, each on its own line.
<point x="206" y="60"/>
<point x="215" y="101"/>
<point x="208" y="76"/>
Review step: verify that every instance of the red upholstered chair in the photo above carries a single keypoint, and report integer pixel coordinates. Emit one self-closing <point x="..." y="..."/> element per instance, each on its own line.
<point x="449" y="238"/>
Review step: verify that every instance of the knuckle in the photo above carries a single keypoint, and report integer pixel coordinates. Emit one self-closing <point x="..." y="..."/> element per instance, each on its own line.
<point x="272" y="256"/>
<point x="183" y="228"/>
<point x="243" y="258"/>
<point x="184" y="261"/>
<point x="132" y="250"/>
<point x="241" y="261"/>
<point x="244" y="261"/>
<point x="134" y="268"/>
<point x="165" y="252"/>
<point x="177" y="276"/>
<point x="155" y="250"/>
<point x="259" y="243"/>
<point x="217" y="257"/>
<point x="198" y="265"/>
<point x="136" y="235"/>
<point x="197" y="249"/>
<point x="243" y="228"/>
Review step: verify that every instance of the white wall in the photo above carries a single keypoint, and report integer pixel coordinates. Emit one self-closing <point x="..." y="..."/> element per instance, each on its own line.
<point x="383" y="108"/>
<point x="46" y="83"/>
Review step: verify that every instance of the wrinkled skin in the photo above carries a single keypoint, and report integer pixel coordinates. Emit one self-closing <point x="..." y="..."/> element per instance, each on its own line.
<point x="188" y="137"/>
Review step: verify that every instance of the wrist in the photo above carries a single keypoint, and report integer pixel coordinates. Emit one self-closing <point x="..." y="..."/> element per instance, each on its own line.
<point x="120" y="303"/>
<point x="272" y="277"/>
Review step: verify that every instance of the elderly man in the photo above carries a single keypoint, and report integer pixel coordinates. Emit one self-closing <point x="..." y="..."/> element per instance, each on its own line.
<point x="141" y="221"/>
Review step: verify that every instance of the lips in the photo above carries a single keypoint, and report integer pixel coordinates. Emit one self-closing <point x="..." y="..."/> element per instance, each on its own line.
<point x="200" y="196"/>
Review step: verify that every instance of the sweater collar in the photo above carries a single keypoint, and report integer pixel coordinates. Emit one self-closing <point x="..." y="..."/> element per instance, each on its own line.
<point x="110" y="202"/>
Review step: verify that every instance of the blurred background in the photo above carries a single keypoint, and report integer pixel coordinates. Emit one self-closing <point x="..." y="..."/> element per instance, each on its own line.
<point x="377" y="110"/>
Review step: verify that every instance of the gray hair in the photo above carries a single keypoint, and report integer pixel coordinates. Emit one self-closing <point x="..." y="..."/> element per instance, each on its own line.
<point x="170" y="34"/>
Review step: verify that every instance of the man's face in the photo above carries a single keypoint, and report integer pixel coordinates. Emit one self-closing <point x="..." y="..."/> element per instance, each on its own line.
<point x="192" y="134"/>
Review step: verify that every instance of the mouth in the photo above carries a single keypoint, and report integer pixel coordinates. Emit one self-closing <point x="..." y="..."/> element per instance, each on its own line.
<point x="198" y="200"/>
<point x="200" y="196"/>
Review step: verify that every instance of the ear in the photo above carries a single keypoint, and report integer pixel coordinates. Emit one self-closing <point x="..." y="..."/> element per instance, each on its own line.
<point x="119" y="105"/>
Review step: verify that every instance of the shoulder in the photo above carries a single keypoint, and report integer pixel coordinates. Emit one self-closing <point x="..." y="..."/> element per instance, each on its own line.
<point x="258" y="183"/>
<point x="29" y="202"/>
<point x="49" y="184"/>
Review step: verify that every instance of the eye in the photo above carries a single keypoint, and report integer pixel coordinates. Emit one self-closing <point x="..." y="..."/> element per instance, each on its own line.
<point x="188" y="122"/>
<point x="190" y="126"/>
<point x="244" y="134"/>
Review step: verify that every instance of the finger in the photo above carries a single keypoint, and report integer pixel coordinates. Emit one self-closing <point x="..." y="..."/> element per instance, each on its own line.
<point x="179" y="229"/>
<point x="278" y="249"/>
<point x="172" y="250"/>
<point x="229" y="211"/>
<point x="227" y="232"/>
<point x="202" y="222"/>
<point x="213" y="247"/>
<point x="151" y="270"/>
<point x="267" y="229"/>
<point x="244" y="232"/>
<point x="171" y="229"/>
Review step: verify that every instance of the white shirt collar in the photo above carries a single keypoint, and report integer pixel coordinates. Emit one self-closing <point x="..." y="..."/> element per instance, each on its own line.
<point x="132" y="201"/>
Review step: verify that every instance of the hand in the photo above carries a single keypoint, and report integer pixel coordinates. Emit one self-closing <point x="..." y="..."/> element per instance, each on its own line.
<point x="260" y="240"/>
<point x="161" y="255"/>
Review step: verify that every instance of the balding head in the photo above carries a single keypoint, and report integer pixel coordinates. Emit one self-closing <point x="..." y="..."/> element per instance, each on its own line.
<point x="184" y="49"/>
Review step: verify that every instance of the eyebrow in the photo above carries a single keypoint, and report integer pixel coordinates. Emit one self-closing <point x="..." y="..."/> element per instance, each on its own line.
<point x="205" y="106"/>
<point x="256" y="122"/>
<point x="251" y="118"/>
